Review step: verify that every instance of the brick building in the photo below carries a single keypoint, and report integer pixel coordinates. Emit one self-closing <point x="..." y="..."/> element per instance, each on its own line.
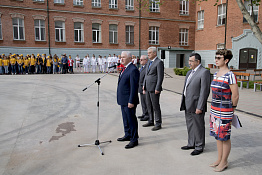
<point x="210" y="33"/>
<point x="97" y="27"/>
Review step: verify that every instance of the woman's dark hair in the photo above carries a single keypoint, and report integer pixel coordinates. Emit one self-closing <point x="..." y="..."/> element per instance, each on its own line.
<point x="226" y="53"/>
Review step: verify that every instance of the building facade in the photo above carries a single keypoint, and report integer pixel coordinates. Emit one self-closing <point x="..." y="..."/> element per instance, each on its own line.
<point x="99" y="27"/>
<point x="210" y="33"/>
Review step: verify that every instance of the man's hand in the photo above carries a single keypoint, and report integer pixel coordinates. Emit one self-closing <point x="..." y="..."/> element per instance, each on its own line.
<point x="144" y="92"/>
<point x="130" y="105"/>
<point x="198" y="111"/>
<point x="157" y="92"/>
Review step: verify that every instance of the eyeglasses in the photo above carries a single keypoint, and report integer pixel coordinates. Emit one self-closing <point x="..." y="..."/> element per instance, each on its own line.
<point x="218" y="58"/>
<point x="191" y="61"/>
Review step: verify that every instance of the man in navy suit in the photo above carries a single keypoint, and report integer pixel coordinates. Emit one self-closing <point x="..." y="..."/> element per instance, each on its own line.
<point x="127" y="97"/>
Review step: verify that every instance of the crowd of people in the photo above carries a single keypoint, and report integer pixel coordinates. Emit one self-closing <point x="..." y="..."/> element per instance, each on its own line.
<point x="48" y="64"/>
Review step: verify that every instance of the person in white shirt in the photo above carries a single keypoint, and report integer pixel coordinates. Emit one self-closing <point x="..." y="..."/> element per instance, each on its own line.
<point x="78" y="63"/>
<point x="93" y="63"/>
<point x="85" y="64"/>
<point x="115" y="61"/>
<point x="109" y="60"/>
<point x="100" y="63"/>
<point x="104" y="64"/>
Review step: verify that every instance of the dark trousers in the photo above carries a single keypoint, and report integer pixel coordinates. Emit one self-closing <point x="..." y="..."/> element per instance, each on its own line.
<point x="143" y="105"/>
<point x="130" y="122"/>
<point x="153" y="107"/>
<point x="196" y="130"/>
<point x="64" y="69"/>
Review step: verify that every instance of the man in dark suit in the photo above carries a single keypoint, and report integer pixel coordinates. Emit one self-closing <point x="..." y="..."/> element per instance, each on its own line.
<point x="153" y="86"/>
<point x="127" y="97"/>
<point x="194" y="102"/>
<point x="145" y="115"/>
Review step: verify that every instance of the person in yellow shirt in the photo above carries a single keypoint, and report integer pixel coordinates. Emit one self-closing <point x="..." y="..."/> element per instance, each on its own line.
<point x="26" y="64"/>
<point x="44" y="63"/>
<point x="55" y="63"/>
<point x="13" y="62"/>
<point x="6" y="64"/>
<point x="20" y="64"/>
<point x="48" y="64"/>
<point x="1" y="65"/>
<point x="60" y="64"/>
<point x="32" y="64"/>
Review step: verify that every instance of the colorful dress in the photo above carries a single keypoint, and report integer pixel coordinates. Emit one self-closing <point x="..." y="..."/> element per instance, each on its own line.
<point x="221" y="112"/>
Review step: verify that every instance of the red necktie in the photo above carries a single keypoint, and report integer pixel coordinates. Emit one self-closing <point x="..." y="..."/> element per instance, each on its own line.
<point x="123" y="70"/>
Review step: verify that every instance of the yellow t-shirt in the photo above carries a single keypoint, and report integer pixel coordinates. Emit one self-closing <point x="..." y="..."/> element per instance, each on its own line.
<point x="12" y="61"/>
<point x="32" y="61"/>
<point x="48" y="62"/>
<point x="19" y="61"/>
<point x="1" y="62"/>
<point x="26" y="62"/>
<point x="6" y="62"/>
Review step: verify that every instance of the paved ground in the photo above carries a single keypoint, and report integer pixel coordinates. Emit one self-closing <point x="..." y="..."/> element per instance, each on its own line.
<point x="45" y="117"/>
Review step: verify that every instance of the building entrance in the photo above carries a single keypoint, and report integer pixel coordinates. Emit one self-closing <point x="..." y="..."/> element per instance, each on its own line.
<point x="248" y="58"/>
<point x="180" y="59"/>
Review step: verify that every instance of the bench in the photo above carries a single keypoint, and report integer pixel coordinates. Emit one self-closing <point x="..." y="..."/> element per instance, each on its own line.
<point x="257" y="72"/>
<point x="242" y="77"/>
<point x="238" y="70"/>
<point x="258" y="83"/>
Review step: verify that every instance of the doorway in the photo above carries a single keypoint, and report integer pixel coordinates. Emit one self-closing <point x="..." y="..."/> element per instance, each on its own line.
<point x="248" y="58"/>
<point x="180" y="60"/>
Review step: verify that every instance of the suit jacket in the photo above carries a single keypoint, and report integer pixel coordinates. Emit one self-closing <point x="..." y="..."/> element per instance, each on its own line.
<point x="127" y="89"/>
<point x="197" y="92"/>
<point x="154" y="76"/>
<point x="141" y="79"/>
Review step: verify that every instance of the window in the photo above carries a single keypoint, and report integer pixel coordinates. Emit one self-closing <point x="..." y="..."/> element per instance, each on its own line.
<point x="200" y="19"/>
<point x="153" y="35"/>
<point x="249" y="9"/>
<point x="220" y="46"/>
<point x="39" y="0"/>
<point x="183" y="37"/>
<point x="18" y="29"/>
<point x="59" y="1"/>
<point x="96" y="3"/>
<point x="129" y="4"/>
<point x="130" y="34"/>
<point x="79" y="32"/>
<point x="78" y="2"/>
<point x="184" y="6"/>
<point x="221" y="17"/>
<point x="39" y="30"/>
<point x="59" y="31"/>
<point x="112" y="4"/>
<point x="113" y="33"/>
<point x="1" y="35"/>
<point x="154" y="6"/>
<point x="96" y="29"/>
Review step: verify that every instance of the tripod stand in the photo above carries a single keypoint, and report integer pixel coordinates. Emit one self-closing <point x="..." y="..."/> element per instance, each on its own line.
<point x="97" y="142"/>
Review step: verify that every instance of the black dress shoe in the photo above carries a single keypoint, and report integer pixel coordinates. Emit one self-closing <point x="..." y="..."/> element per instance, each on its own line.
<point x="144" y="119"/>
<point x="187" y="147"/>
<point x="148" y="124"/>
<point x="122" y="139"/>
<point x="131" y="145"/>
<point x="140" y="116"/>
<point x="155" y="128"/>
<point x="196" y="152"/>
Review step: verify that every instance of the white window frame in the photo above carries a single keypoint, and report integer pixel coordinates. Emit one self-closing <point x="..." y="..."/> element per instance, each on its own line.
<point x="221" y="14"/>
<point x="59" y="1"/>
<point x="96" y="3"/>
<point x="249" y="9"/>
<point x="78" y="2"/>
<point x="19" y="26"/>
<point x="129" y="4"/>
<point x="39" y="0"/>
<point x="39" y="27"/>
<point x="200" y="19"/>
<point x="97" y="34"/>
<point x="113" y="33"/>
<point x="1" y="34"/>
<point x="129" y="35"/>
<point x="154" y="5"/>
<point x="183" y="37"/>
<point x="80" y="33"/>
<point x="184" y="7"/>
<point x="154" y="35"/>
<point x="61" y="32"/>
<point x="113" y="4"/>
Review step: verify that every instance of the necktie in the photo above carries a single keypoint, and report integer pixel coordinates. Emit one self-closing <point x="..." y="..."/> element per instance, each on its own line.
<point x="187" y="81"/>
<point x="150" y="64"/>
<point x="123" y="70"/>
<point x="141" y="68"/>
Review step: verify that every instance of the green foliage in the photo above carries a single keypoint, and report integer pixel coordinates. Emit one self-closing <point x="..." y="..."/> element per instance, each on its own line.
<point x="251" y="84"/>
<point x="183" y="72"/>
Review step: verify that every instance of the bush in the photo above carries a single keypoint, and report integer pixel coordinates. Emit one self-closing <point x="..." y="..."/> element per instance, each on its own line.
<point x="178" y="71"/>
<point x="251" y="85"/>
<point x="183" y="72"/>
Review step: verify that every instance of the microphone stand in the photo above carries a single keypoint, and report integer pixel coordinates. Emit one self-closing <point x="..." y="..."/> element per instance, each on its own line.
<point x="97" y="142"/>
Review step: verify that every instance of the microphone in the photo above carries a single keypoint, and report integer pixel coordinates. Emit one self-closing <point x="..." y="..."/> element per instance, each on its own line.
<point x="112" y="67"/>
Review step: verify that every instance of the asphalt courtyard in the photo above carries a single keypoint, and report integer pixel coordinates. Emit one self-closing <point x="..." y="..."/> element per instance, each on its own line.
<point x="45" y="117"/>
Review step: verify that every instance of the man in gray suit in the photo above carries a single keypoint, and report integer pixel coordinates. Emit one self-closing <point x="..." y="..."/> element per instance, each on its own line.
<point x="153" y="86"/>
<point x="143" y="61"/>
<point x="194" y="102"/>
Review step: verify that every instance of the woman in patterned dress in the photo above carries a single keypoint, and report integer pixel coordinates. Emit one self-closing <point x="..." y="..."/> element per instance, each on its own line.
<point x="224" y="101"/>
